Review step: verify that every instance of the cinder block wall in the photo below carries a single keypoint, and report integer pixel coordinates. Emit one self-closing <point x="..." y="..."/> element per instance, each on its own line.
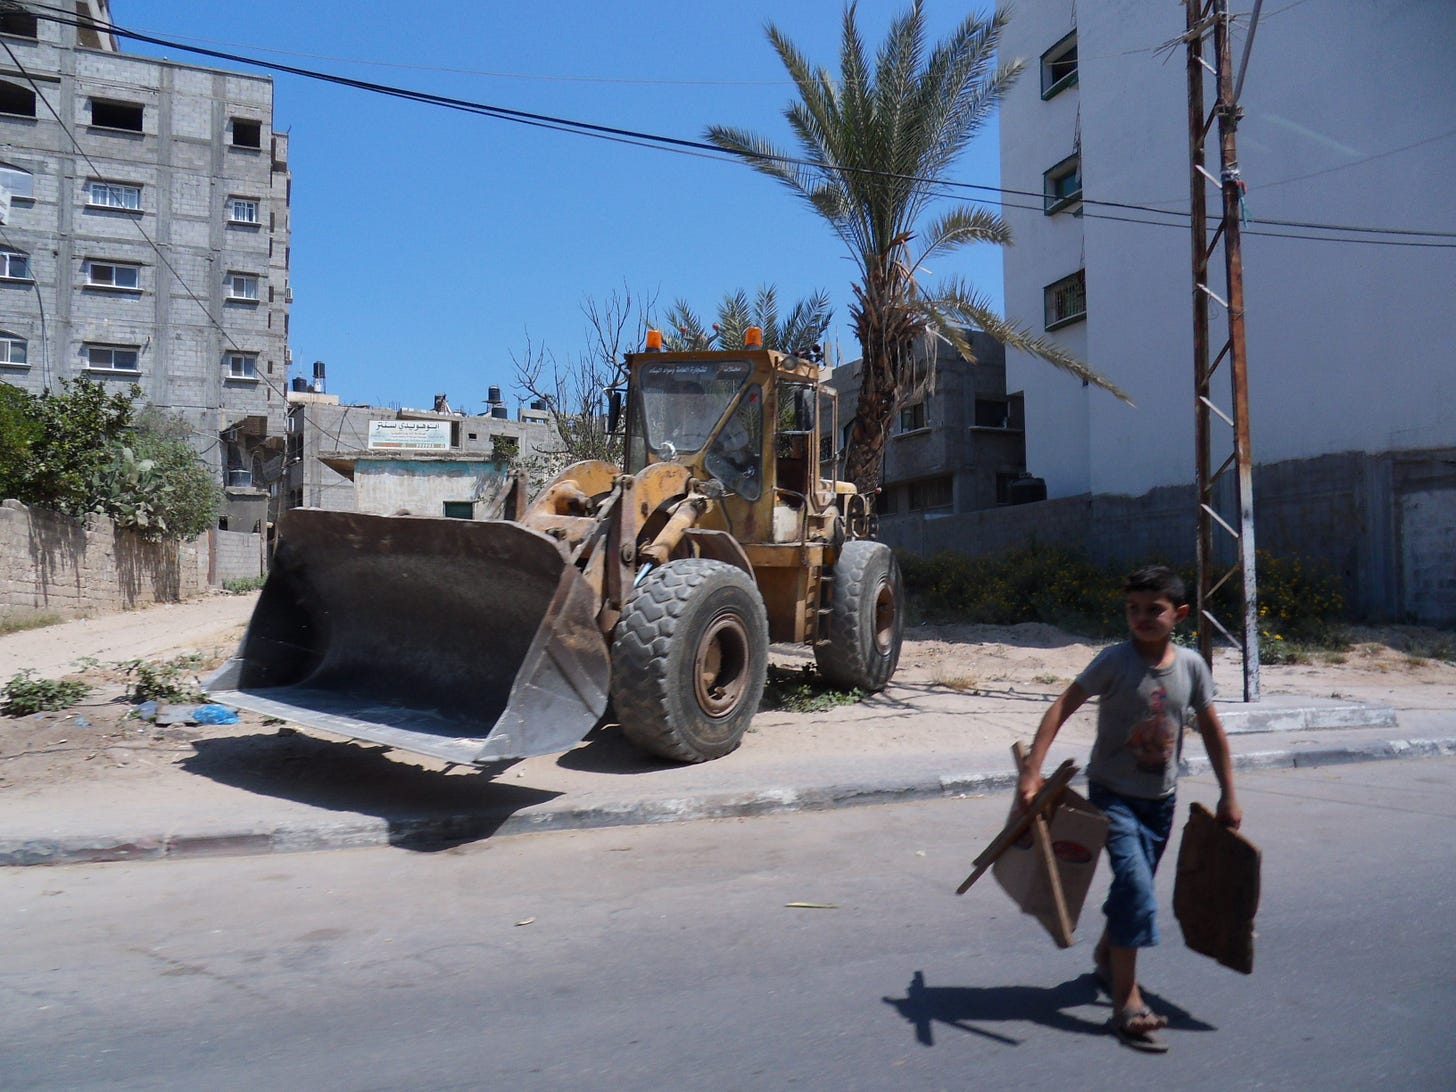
<point x="1384" y="524"/>
<point x="76" y="568"/>
<point x="237" y="556"/>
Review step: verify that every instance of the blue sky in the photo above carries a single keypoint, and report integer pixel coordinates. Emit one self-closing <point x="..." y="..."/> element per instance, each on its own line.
<point x="429" y="244"/>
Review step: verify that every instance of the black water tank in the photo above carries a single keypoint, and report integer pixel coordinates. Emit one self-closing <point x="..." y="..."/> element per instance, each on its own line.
<point x="500" y="411"/>
<point x="492" y="394"/>
<point x="300" y="383"/>
<point x="1026" y="489"/>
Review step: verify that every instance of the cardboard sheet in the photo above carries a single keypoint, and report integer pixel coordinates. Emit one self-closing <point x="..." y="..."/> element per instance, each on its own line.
<point x="1216" y="894"/>
<point x="1077" y="832"/>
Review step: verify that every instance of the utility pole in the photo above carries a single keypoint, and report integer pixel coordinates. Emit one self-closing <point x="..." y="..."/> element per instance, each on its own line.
<point x="1210" y="19"/>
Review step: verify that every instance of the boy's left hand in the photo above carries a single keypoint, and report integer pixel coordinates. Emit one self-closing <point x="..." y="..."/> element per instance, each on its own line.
<point x="1229" y="812"/>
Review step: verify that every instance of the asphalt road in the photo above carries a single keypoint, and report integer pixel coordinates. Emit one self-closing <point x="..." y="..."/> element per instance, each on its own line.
<point x="667" y="958"/>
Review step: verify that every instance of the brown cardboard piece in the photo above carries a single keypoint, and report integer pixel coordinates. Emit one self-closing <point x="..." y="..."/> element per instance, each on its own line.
<point x="1073" y="841"/>
<point x="1216" y="894"/>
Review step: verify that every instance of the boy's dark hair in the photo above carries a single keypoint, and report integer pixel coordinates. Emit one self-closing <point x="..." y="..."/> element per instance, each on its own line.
<point x="1161" y="581"/>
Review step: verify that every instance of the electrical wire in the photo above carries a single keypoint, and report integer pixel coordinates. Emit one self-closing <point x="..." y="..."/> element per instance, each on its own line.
<point x="681" y="145"/>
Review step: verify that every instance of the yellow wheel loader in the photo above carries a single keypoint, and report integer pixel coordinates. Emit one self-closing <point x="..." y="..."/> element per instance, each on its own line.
<point x="656" y="586"/>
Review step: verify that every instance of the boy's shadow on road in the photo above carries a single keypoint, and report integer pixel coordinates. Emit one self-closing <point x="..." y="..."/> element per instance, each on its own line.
<point x="962" y="1007"/>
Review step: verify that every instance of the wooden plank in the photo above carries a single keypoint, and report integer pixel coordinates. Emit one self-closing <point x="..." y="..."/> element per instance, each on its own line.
<point x="1043" y="803"/>
<point x="1062" y="930"/>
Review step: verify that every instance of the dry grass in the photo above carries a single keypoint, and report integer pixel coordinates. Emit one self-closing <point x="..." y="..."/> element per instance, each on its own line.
<point x="957" y="682"/>
<point x="19" y="623"/>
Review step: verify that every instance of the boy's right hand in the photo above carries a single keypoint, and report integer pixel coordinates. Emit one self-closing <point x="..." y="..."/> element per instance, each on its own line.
<point x="1028" y="786"/>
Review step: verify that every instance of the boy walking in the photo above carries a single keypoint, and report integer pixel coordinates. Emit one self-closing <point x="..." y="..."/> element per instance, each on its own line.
<point x="1149" y="689"/>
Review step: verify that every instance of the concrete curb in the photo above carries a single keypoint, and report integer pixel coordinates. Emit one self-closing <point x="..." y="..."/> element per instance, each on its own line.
<point x="1240" y="719"/>
<point x="443" y="830"/>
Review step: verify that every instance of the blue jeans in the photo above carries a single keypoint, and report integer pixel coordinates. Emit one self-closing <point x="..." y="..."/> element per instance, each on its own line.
<point x="1137" y="834"/>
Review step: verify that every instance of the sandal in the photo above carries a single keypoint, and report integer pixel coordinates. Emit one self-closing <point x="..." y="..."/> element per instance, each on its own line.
<point x="1145" y="1038"/>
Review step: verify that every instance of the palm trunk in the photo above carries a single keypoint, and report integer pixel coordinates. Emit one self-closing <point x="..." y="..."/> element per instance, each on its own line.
<point x="886" y="330"/>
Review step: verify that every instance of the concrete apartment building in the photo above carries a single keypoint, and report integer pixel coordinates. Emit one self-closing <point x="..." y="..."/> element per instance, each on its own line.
<point x="956" y="446"/>
<point x="145" y="238"/>
<point x="1353" y="398"/>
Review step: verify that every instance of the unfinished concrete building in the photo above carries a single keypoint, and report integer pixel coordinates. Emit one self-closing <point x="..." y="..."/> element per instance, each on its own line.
<point x="144" y="237"/>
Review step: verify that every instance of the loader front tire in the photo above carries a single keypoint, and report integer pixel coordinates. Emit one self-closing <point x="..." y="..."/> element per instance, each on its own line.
<point x="866" y="619"/>
<point x="689" y="659"/>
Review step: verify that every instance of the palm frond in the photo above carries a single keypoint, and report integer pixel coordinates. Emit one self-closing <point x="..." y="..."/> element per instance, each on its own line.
<point x="960" y="227"/>
<point x="959" y="303"/>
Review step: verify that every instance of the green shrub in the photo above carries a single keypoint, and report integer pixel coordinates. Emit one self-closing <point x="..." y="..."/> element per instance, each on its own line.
<point x="173" y="680"/>
<point x="1300" y="605"/>
<point x="804" y="691"/>
<point x="244" y="584"/>
<point x="1056" y="586"/>
<point x="25" y="694"/>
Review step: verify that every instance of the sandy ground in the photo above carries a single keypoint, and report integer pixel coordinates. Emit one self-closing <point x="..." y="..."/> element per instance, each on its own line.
<point x="942" y="670"/>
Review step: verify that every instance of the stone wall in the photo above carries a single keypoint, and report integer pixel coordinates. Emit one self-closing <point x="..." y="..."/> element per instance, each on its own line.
<point x="1384" y="524"/>
<point x="75" y="568"/>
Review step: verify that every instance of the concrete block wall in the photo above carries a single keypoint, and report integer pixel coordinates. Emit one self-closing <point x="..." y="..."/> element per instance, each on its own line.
<point x="76" y="568"/>
<point x="1384" y="525"/>
<point x="236" y="555"/>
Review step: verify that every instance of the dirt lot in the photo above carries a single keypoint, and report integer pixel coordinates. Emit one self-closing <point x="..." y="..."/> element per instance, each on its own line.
<point x="101" y="738"/>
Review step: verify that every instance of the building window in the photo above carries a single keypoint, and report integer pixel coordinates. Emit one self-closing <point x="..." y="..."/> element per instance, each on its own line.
<point x="992" y="413"/>
<point x="932" y="493"/>
<point x="1066" y="300"/>
<point x="1062" y="185"/>
<point x="14" y="265"/>
<point x="912" y="417"/>
<point x="114" y="195"/>
<point x="113" y="358"/>
<point x="19" y="181"/>
<point x="242" y="210"/>
<point x="1059" y="66"/>
<point x="19" y="24"/>
<point x="242" y="365"/>
<point x="247" y="133"/>
<point x="12" y="349"/>
<point x="16" y="99"/>
<point x="116" y="115"/>
<point x="241" y="286"/>
<point x="459" y="509"/>
<point x="114" y="275"/>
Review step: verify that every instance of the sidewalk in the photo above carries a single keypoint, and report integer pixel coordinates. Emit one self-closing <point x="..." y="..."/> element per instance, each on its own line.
<point x="265" y="791"/>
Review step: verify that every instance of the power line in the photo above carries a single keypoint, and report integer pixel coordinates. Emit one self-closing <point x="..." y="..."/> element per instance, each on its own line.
<point x="680" y="145"/>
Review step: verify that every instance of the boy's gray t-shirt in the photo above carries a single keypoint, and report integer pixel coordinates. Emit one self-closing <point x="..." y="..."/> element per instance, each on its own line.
<point x="1140" y="717"/>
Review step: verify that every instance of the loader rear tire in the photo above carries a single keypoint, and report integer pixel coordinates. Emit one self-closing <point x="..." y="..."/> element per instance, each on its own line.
<point x="866" y="619"/>
<point x="689" y="659"/>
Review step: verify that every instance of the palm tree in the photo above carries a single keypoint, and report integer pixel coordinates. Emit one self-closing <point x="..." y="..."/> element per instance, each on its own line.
<point x="800" y="332"/>
<point x="873" y="146"/>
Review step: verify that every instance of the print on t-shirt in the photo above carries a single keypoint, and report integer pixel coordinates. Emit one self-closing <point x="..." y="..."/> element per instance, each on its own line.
<point x="1152" y="738"/>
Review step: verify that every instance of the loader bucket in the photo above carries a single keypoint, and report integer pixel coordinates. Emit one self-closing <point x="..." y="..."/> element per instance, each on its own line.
<point x="475" y="642"/>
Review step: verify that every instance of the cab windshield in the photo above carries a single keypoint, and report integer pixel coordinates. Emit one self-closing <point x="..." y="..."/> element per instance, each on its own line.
<point x="681" y="403"/>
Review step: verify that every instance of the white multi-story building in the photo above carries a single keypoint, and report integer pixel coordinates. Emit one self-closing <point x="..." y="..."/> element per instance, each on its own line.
<point x="1347" y="123"/>
<point x="144" y="235"/>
